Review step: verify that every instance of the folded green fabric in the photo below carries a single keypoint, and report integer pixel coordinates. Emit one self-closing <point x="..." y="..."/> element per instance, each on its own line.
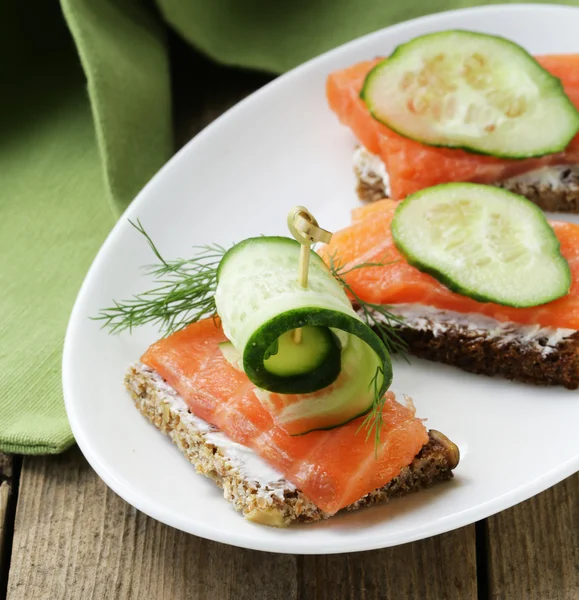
<point x="69" y="163"/>
<point x="71" y="159"/>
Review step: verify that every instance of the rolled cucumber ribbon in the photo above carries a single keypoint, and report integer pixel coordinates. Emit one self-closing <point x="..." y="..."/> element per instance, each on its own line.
<point x="260" y="302"/>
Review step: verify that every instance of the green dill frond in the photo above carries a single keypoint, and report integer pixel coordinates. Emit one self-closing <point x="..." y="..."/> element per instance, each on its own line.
<point x="373" y="420"/>
<point x="376" y="316"/>
<point x="384" y="323"/>
<point x="184" y="292"/>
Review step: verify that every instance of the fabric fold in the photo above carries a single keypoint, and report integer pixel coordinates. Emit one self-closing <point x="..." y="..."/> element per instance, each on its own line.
<point x="123" y="52"/>
<point x="60" y="190"/>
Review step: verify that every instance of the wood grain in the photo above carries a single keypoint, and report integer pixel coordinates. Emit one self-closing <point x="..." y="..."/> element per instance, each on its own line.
<point x="5" y="495"/>
<point x="439" y="568"/>
<point x="534" y="547"/>
<point x="75" y="539"/>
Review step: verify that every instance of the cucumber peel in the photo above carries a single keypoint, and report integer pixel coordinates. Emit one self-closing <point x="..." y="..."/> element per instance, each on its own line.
<point x="483" y="242"/>
<point x="317" y="379"/>
<point x="474" y="91"/>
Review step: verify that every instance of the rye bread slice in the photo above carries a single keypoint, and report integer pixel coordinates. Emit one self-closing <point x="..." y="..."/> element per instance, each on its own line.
<point x="559" y="194"/>
<point x="539" y="359"/>
<point x="277" y="503"/>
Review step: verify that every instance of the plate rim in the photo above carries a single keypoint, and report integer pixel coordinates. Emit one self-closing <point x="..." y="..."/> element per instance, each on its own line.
<point x="159" y="512"/>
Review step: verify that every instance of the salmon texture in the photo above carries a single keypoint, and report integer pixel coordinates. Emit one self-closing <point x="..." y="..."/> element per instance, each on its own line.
<point x="332" y="468"/>
<point x="369" y="240"/>
<point x="413" y="166"/>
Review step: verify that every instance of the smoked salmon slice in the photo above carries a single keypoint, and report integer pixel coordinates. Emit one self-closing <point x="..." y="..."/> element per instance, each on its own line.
<point x="413" y="166"/>
<point x="395" y="281"/>
<point x="332" y="468"/>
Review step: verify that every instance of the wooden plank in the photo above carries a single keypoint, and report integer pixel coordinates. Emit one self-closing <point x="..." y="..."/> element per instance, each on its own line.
<point x="439" y="568"/>
<point x="5" y="493"/>
<point x="76" y="539"/>
<point x="534" y="547"/>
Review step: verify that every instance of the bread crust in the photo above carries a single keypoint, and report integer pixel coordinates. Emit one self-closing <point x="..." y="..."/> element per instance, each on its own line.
<point x="485" y="354"/>
<point x="562" y="198"/>
<point x="280" y="503"/>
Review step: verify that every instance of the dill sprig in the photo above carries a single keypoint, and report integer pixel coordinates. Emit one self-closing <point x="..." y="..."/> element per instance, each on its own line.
<point x="373" y="420"/>
<point x="376" y="316"/>
<point x="383" y="322"/>
<point x="185" y="292"/>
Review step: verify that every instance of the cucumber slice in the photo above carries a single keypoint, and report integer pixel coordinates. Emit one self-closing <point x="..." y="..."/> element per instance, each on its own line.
<point x="346" y="399"/>
<point x="318" y="345"/>
<point x="473" y="91"/>
<point x="482" y="242"/>
<point x="259" y="301"/>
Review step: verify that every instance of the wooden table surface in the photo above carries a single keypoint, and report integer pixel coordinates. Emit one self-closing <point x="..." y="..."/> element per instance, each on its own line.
<point x="65" y="536"/>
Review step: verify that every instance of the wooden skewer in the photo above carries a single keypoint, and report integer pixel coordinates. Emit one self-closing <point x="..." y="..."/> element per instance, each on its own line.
<point x="304" y="265"/>
<point x="303" y="270"/>
<point x="305" y="229"/>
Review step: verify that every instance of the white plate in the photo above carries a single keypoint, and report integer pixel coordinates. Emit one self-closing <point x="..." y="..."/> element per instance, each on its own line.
<point x="281" y="147"/>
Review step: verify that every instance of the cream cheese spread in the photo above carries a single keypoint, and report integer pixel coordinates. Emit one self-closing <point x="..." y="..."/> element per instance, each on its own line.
<point x="554" y="177"/>
<point x="249" y="465"/>
<point x="428" y="318"/>
<point x="371" y="169"/>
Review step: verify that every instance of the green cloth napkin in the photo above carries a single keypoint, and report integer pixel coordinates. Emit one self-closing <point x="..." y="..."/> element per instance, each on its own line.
<point x="71" y="159"/>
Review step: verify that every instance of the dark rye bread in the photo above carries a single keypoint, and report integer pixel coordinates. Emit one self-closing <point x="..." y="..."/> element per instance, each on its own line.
<point x="477" y="352"/>
<point x="277" y="503"/>
<point x="370" y="189"/>
<point x="563" y="197"/>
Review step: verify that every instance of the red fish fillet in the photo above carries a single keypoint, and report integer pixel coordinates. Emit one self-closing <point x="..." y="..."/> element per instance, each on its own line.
<point x="369" y="240"/>
<point x="333" y="468"/>
<point x="413" y="166"/>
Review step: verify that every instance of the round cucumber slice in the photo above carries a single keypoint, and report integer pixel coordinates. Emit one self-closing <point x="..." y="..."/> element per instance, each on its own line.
<point x="260" y="301"/>
<point x="318" y="345"/>
<point x="473" y="91"/>
<point x="482" y="242"/>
